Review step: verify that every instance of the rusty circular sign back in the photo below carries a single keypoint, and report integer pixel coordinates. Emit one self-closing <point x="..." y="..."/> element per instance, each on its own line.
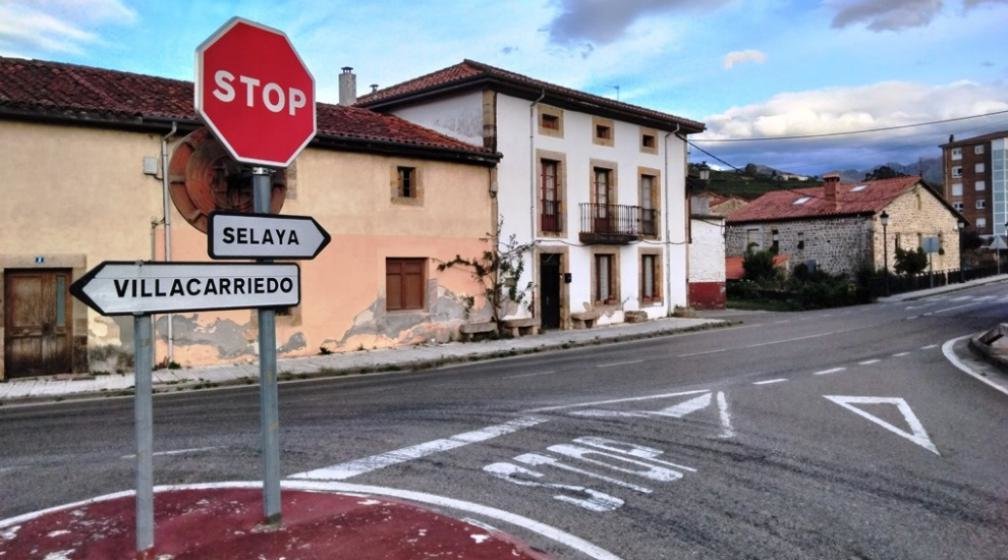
<point x="203" y="177"/>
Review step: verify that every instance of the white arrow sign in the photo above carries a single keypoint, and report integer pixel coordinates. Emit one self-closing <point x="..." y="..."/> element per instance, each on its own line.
<point x="124" y="288"/>
<point x="264" y="236"/>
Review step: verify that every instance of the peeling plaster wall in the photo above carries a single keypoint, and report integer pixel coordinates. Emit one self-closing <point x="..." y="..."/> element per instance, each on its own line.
<point x="78" y="196"/>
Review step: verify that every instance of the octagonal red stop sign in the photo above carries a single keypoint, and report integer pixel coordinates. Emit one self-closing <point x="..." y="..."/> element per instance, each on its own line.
<point x="255" y="93"/>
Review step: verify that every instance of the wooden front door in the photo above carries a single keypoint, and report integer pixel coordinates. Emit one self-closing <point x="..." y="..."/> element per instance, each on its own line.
<point x="37" y="320"/>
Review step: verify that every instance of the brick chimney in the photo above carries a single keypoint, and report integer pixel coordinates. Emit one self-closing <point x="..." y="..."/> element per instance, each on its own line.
<point x="830" y="186"/>
<point x="347" y="87"/>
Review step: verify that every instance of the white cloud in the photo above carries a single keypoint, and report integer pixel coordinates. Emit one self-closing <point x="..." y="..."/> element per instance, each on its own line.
<point x="58" y="26"/>
<point x="604" y="21"/>
<point x="738" y="57"/>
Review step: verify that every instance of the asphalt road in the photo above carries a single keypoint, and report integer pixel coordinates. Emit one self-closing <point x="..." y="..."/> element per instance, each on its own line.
<point x="840" y="433"/>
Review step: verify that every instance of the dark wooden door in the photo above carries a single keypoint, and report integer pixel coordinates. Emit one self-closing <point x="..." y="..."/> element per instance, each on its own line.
<point x="37" y="319"/>
<point x="549" y="287"/>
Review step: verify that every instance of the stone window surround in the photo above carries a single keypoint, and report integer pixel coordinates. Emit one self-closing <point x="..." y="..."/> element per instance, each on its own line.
<point x="554" y="112"/>
<point x="612" y="166"/>
<point x="564" y="252"/>
<point x="658" y="278"/>
<point x="614" y="279"/>
<point x="596" y="139"/>
<point x="561" y="192"/>
<point x="653" y="149"/>
<point x="418" y="183"/>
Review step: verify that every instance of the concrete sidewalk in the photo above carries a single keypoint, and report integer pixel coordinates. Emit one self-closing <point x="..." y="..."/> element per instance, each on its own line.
<point x="392" y="359"/>
<point x="920" y="294"/>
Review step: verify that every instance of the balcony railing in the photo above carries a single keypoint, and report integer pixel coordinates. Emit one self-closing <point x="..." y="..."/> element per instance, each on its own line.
<point x="616" y="223"/>
<point x="551" y="216"/>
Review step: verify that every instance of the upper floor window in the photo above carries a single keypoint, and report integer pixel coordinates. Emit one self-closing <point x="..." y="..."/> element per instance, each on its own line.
<point x="603" y="131"/>
<point x="957" y="189"/>
<point x="957" y="171"/>
<point x="981" y="204"/>
<point x="649" y="141"/>
<point x="981" y="185"/>
<point x="407" y="187"/>
<point x="978" y="149"/>
<point x="551" y="121"/>
<point x="956" y="153"/>
<point x="649" y="204"/>
<point x="958" y="206"/>
<point x="551" y="193"/>
<point x="978" y="168"/>
<point x="981" y="223"/>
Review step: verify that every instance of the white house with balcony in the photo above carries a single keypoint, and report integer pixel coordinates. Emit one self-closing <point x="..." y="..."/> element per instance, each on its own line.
<point x="595" y="186"/>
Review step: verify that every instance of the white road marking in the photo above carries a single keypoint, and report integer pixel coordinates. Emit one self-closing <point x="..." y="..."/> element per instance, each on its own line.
<point x="685" y="407"/>
<point x="548" y="531"/>
<point x="954" y="307"/>
<point x="912" y="317"/>
<point x="727" y="431"/>
<point x="533" y="374"/>
<point x="537" y="460"/>
<point x="357" y="467"/>
<point x="951" y="357"/>
<point x="900" y="354"/>
<point x="580" y="496"/>
<point x="869" y="362"/>
<point x="929" y="346"/>
<point x="615" y="401"/>
<point x="175" y="452"/>
<point x="917" y="434"/>
<point x="796" y="339"/>
<point x="770" y="381"/>
<point x="829" y="371"/>
<point x="782" y="322"/>
<point x="616" y="364"/>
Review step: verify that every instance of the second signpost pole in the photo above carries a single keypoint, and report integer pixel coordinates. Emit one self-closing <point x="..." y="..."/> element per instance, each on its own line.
<point x="268" y="398"/>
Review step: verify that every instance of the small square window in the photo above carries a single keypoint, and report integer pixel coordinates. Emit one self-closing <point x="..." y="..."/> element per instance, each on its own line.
<point x="958" y="206"/>
<point x="957" y="171"/>
<point x="407" y="182"/>
<point x="981" y="223"/>
<point x="978" y="168"/>
<point x="603" y="132"/>
<point x="551" y="122"/>
<point x="648" y="141"/>
<point x="981" y="204"/>
<point x="956" y="153"/>
<point x="978" y="149"/>
<point x="981" y="185"/>
<point x="957" y="189"/>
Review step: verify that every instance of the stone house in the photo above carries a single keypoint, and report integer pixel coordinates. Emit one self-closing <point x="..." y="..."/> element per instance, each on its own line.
<point x="837" y="226"/>
<point x="84" y="152"/>
<point x="595" y="186"/>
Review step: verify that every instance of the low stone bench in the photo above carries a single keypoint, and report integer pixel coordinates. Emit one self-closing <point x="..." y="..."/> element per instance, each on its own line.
<point x="635" y="316"/>
<point x="518" y="327"/>
<point x="469" y="330"/>
<point x="584" y="319"/>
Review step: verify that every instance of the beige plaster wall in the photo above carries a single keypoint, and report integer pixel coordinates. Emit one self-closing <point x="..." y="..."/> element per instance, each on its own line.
<point x="80" y="193"/>
<point x="911" y="223"/>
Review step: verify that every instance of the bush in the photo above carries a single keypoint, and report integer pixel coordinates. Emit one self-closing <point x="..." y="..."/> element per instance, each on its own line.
<point x="910" y="262"/>
<point x="759" y="266"/>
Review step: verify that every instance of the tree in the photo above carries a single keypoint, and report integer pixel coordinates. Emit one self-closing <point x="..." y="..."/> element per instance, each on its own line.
<point x="758" y="265"/>
<point x="910" y="262"/>
<point x="498" y="270"/>
<point x="883" y="172"/>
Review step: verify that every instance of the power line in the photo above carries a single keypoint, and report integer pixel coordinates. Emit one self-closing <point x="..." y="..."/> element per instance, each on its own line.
<point x="853" y="132"/>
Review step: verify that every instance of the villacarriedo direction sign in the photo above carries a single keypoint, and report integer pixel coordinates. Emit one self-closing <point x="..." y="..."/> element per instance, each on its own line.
<point x="129" y="288"/>
<point x="264" y="236"/>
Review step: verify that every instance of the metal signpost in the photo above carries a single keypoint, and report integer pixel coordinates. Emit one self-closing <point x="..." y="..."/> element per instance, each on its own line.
<point x="258" y="97"/>
<point x="931" y="246"/>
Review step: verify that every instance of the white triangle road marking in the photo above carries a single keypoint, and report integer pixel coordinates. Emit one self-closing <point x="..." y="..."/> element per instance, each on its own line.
<point x="917" y="434"/>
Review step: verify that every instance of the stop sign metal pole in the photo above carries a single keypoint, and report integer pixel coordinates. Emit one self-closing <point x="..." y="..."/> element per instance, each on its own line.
<point x="268" y="397"/>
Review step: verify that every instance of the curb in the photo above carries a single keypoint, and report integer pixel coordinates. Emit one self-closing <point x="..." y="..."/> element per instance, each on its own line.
<point x="284" y="377"/>
<point x="981" y="346"/>
<point x="948" y="288"/>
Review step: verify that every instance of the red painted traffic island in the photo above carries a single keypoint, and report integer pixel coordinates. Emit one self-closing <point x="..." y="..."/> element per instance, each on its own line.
<point x="225" y="523"/>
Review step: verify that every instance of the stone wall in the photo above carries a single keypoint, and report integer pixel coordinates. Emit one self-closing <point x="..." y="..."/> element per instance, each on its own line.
<point x="837" y="245"/>
<point x="914" y="215"/>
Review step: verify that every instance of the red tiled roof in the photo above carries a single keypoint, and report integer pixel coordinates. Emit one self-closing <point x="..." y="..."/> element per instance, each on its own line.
<point x="471" y="71"/>
<point x="56" y="90"/>
<point x="780" y="205"/>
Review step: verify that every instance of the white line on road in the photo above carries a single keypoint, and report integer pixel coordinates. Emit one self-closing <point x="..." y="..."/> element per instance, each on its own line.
<point x="727" y="431"/>
<point x="770" y="381"/>
<point x="685" y="407"/>
<point x="912" y="317"/>
<point x="869" y="362"/>
<point x="951" y="357"/>
<point x="175" y="452"/>
<point x="357" y="467"/>
<point x="929" y="346"/>
<point x="614" y="401"/>
<point x="758" y="345"/>
<point x="917" y="434"/>
<point x="954" y="307"/>
<point x="616" y="364"/>
<point x="829" y="371"/>
<point x="900" y="354"/>
<point x="533" y="374"/>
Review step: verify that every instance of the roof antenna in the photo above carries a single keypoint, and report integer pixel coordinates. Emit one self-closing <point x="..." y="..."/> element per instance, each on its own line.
<point x="617" y="91"/>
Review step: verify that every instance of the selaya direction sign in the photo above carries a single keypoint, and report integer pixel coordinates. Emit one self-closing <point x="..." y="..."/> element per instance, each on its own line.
<point x="264" y="236"/>
<point x="131" y="288"/>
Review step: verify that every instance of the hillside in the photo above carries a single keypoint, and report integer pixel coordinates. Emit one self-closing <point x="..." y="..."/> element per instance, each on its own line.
<point x="731" y="183"/>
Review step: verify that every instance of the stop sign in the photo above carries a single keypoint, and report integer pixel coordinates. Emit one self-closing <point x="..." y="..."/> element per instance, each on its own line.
<point x="255" y="93"/>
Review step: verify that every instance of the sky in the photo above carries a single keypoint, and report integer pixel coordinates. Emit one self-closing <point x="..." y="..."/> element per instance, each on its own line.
<point x="752" y="70"/>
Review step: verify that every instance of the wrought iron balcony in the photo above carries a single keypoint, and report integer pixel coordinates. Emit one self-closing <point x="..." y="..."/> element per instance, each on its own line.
<point x="616" y="223"/>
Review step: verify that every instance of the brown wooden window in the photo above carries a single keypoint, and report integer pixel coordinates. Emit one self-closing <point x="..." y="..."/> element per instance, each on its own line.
<point x="550" y="195"/>
<point x="404" y="283"/>
<point x="603" y="132"/>
<point x="407" y="182"/>
<point x="648" y="199"/>
<point x="551" y="122"/>
<point x="648" y="141"/>
<point x="649" y="279"/>
<point x="604" y="288"/>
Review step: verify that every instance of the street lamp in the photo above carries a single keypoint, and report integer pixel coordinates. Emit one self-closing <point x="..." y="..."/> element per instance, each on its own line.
<point x="884" y="219"/>
<point x="961" y="225"/>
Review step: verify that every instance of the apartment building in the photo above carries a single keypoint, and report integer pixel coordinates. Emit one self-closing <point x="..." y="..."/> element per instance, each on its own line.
<point x="976" y="180"/>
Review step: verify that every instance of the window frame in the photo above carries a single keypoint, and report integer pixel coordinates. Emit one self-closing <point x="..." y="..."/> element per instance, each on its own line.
<point x="416" y="183"/>
<point x="979" y="167"/>
<point x="599" y="122"/>
<point x="655" y="257"/>
<point x="980" y="186"/>
<point x="957" y="189"/>
<point x="559" y="194"/>
<point x="956" y="154"/>
<point x="978" y="149"/>
<point x="957" y="171"/>
<point x="403" y="296"/>
<point x="554" y="112"/>
<point x="653" y="135"/>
